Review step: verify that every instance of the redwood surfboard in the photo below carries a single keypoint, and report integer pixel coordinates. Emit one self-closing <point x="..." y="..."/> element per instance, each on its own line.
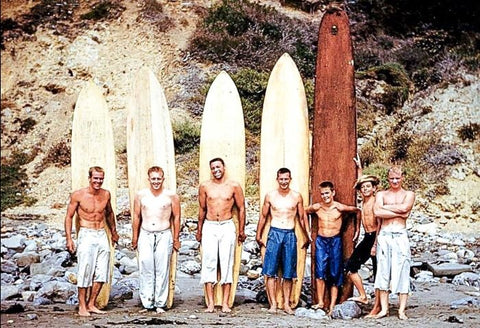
<point x="149" y="143"/>
<point x="334" y="142"/>
<point x="93" y="145"/>
<point x="285" y="143"/>
<point x="223" y="135"/>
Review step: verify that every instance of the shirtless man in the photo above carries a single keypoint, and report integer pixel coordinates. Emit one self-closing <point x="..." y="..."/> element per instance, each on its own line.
<point x="367" y="185"/>
<point x="328" y="252"/>
<point x="285" y="206"/>
<point x="393" y="207"/>
<point x="216" y="230"/>
<point x="156" y="214"/>
<point x="93" y="208"/>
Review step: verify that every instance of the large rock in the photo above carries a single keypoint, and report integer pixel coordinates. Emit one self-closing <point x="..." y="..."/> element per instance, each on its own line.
<point x="190" y="267"/>
<point x="56" y="291"/>
<point x="9" y="292"/>
<point x="346" y="310"/>
<point x="310" y="313"/>
<point x="16" y="243"/>
<point x="448" y="269"/>
<point x="467" y="279"/>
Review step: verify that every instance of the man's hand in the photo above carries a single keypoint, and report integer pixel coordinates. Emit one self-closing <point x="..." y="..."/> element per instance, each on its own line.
<point x="70" y="246"/>
<point x="115" y="238"/>
<point x="355" y="237"/>
<point x="241" y="237"/>
<point x="198" y="236"/>
<point x="357" y="161"/>
<point x="373" y="251"/>
<point x="260" y="242"/>
<point x="305" y="246"/>
<point x="134" y="243"/>
<point x="176" y="245"/>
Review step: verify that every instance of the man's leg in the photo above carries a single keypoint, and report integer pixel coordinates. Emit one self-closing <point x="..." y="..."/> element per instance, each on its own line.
<point x="320" y="293"/>
<point x="226" y="296"/>
<point x="82" y="302"/>
<point x="210" y="304"/>
<point x="93" y="298"/>
<point x="402" y="301"/>
<point x="357" y="282"/>
<point x="271" y="283"/>
<point x="376" y="306"/>
<point x="333" y="298"/>
<point x="383" y="304"/>
<point x="287" y="291"/>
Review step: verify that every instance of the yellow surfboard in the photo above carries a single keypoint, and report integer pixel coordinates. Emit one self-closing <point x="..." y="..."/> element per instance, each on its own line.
<point x="223" y="135"/>
<point x="92" y="145"/>
<point x="285" y="143"/>
<point x="149" y="143"/>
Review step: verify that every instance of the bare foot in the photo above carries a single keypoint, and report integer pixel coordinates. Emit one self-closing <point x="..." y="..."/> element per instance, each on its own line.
<point x="84" y="313"/>
<point x="402" y="316"/>
<point x="209" y="309"/>
<point x="272" y="310"/>
<point x="288" y="310"/>
<point x="373" y="313"/>
<point x="318" y="306"/>
<point x="226" y="309"/>
<point x="363" y="300"/>
<point x="94" y="309"/>
<point x="381" y="314"/>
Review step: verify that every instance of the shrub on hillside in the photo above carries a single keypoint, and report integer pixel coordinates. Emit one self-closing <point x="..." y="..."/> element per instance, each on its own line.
<point x="186" y="136"/>
<point x="152" y="12"/>
<point x="58" y="155"/>
<point x="246" y="34"/>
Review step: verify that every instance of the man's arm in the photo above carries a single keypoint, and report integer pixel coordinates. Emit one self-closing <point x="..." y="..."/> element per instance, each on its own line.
<point x="240" y="203"/>
<point x="303" y="223"/>
<point x="347" y="208"/>
<point x="202" y="211"/>
<point x="262" y="220"/>
<point x="137" y="220"/>
<point x="358" y="164"/>
<point x="71" y="209"/>
<point x="381" y="212"/>
<point x="110" y="219"/>
<point x="176" y="218"/>
<point x="405" y="207"/>
<point x="358" y="221"/>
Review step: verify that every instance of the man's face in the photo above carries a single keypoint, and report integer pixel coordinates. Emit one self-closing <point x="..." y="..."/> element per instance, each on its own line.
<point x="156" y="180"/>
<point x="96" y="180"/>
<point x="395" y="180"/>
<point x="283" y="180"/>
<point x="217" y="169"/>
<point x="367" y="189"/>
<point x="327" y="195"/>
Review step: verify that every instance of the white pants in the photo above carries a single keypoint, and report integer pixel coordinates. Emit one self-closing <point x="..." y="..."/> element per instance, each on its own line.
<point x="93" y="254"/>
<point x="154" y="252"/>
<point x="393" y="262"/>
<point x="218" y="245"/>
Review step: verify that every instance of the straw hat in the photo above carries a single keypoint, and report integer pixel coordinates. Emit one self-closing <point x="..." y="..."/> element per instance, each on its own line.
<point x="366" y="178"/>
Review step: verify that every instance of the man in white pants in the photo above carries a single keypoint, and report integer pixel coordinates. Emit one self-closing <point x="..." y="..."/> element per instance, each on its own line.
<point x="216" y="230"/>
<point x="156" y="228"/>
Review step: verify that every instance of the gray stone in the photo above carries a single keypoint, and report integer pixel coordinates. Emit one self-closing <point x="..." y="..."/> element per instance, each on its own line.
<point x="9" y="292"/>
<point x="251" y="246"/>
<point x="56" y="291"/>
<point x="32" y="316"/>
<point x="28" y="296"/>
<point x="190" y="267"/>
<point x="39" y="280"/>
<point x="7" y="278"/>
<point x="51" y="264"/>
<point x="16" y="242"/>
<point x="448" y="269"/>
<point x="424" y="276"/>
<point x="245" y="296"/>
<point x="465" y="302"/>
<point x="347" y="310"/>
<point x="124" y="289"/>
<point x="310" y="313"/>
<point x="26" y="258"/>
<point x="467" y="279"/>
<point x="9" y="266"/>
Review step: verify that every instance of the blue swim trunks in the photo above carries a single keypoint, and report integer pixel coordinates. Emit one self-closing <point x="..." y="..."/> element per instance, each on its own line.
<point x="281" y="250"/>
<point x="328" y="260"/>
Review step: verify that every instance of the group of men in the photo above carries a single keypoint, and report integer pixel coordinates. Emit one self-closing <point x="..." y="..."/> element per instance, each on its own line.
<point x="156" y="228"/>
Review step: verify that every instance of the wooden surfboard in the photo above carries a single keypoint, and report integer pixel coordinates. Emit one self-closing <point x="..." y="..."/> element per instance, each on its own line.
<point x="223" y="135"/>
<point x="92" y="145"/>
<point x="285" y="143"/>
<point x="334" y="125"/>
<point x="149" y="143"/>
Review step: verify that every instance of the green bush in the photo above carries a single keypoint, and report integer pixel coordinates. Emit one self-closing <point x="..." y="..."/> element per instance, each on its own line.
<point x="13" y="180"/>
<point x="186" y="136"/>
<point x="244" y="34"/>
<point x="59" y="155"/>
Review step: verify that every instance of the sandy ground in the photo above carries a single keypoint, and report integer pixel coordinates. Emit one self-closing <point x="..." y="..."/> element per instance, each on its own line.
<point x="429" y="306"/>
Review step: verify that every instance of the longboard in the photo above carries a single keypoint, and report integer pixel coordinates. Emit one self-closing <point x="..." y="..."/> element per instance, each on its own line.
<point x="149" y="143"/>
<point x="93" y="145"/>
<point x="334" y="125"/>
<point x="285" y="143"/>
<point x="223" y="135"/>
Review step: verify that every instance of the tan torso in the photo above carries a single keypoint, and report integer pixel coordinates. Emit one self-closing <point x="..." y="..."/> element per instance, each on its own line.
<point x="220" y="200"/>
<point x="91" y="208"/>
<point x="283" y="209"/>
<point x="329" y="220"/>
<point x="369" y="220"/>
<point x="394" y="198"/>
<point x="156" y="209"/>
